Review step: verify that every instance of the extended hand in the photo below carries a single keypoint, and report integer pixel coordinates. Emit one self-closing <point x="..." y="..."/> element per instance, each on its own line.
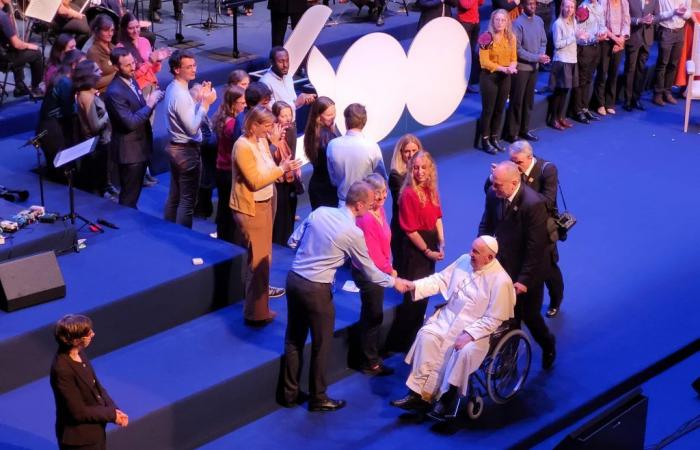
<point x="520" y="288"/>
<point x="462" y="340"/>
<point x="403" y="286"/>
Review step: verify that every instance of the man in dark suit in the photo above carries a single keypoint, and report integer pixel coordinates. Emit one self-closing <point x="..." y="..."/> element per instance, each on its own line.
<point x="281" y="12"/>
<point x="517" y="216"/>
<point x="132" y="136"/>
<point x="643" y="14"/>
<point x="543" y="177"/>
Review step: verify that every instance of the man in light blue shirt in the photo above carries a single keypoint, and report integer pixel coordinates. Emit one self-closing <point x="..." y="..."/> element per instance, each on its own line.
<point x="184" y="116"/>
<point x="323" y="242"/>
<point x="352" y="157"/>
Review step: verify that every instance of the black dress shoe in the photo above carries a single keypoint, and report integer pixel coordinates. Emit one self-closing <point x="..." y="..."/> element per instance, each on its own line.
<point x="326" y="405"/>
<point x="549" y="356"/>
<point x="591" y="115"/>
<point x="582" y="118"/>
<point x="552" y="312"/>
<point x="627" y="107"/>
<point x="21" y="90"/>
<point x="529" y="136"/>
<point x="497" y="144"/>
<point x="487" y="147"/>
<point x="378" y="370"/>
<point x="410" y="402"/>
<point x="639" y="105"/>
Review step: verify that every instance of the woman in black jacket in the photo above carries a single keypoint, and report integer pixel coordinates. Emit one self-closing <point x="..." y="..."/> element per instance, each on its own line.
<point x="83" y="407"/>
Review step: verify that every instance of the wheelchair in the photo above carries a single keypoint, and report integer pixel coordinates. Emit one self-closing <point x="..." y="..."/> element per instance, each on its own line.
<point x="503" y="372"/>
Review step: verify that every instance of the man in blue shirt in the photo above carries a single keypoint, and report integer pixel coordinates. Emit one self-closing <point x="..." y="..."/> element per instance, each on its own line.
<point x="323" y="242"/>
<point x="352" y="157"/>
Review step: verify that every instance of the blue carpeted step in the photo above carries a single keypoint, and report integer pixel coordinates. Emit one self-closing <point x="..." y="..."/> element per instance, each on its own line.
<point x="189" y="384"/>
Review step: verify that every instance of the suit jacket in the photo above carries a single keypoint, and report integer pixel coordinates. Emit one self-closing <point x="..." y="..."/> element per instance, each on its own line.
<point x="132" y="136"/>
<point x="544" y="179"/>
<point x="524" y="249"/>
<point x="640" y="34"/>
<point x="83" y="406"/>
<point x="545" y="182"/>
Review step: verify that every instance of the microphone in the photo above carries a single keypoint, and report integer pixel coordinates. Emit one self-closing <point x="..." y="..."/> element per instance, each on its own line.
<point x="107" y="224"/>
<point x="35" y="140"/>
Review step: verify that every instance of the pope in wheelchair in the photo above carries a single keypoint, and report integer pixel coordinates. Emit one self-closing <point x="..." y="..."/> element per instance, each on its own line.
<point x="454" y="342"/>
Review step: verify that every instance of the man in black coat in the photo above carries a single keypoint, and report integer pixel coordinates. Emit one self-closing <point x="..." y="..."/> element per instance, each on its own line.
<point x="637" y="48"/>
<point x="132" y="136"/>
<point x="543" y="177"/>
<point x="282" y="11"/>
<point x="517" y="216"/>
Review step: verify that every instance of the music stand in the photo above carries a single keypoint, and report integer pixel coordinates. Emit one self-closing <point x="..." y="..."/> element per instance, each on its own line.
<point x="65" y="158"/>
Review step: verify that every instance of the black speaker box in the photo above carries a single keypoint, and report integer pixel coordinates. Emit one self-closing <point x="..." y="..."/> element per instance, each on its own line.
<point x="30" y="281"/>
<point x="621" y="426"/>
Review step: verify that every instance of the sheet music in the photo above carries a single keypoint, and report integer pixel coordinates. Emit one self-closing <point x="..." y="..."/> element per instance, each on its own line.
<point x="43" y="10"/>
<point x="75" y="152"/>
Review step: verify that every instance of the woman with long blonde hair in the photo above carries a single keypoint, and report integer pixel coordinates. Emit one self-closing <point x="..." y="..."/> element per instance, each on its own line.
<point x="420" y="218"/>
<point x="405" y="148"/>
<point x="498" y="59"/>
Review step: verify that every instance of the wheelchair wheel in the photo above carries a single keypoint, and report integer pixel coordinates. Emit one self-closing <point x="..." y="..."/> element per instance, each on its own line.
<point x="475" y="407"/>
<point x="510" y="365"/>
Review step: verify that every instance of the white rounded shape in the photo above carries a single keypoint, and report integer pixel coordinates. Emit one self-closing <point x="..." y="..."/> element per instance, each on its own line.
<point x="321" y="73"/>
<point x="437" y="71"/>
<point x="305" y="33"/>
<point x="372" y="72"/>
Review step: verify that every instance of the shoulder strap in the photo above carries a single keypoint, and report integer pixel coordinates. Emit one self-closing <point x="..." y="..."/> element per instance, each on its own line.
<point x="561" y="192"/>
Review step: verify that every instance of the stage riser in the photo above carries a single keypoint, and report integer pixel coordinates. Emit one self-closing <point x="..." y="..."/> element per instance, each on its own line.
<point x="207" y="415"/>
<point x="128" y="320"/>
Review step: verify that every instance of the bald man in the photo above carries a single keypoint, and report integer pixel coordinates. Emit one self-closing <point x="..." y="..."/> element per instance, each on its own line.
<point x="517" y="216"/>
<point x="454" y="341"/>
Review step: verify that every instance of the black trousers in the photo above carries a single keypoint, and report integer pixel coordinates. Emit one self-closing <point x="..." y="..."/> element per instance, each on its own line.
<point x="225" y="225"/>
<point x="31" y="57"/>
<point x="309" y="308"/>
<point x="131" y="182"/>
<point x="605" y="89"/>
<point x="278" y="25"/>
<point x="635" y="71"/>
<point x="494" y="93"/>
<point x="546" y="13"/>
<point x="371" y="317"/>
<point x="185" y="173"/>
<point x="588" y="57"/>
<point x="670" y="47"/>
<point x="555" y="286"/>
<point x="286" y="210"/>
<point x="472" y="30"/>
<point x="522" y="100"/>
<point x="527" y="309"/>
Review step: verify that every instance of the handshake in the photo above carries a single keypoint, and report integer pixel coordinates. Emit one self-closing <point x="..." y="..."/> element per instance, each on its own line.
<point x="403" y="286"/>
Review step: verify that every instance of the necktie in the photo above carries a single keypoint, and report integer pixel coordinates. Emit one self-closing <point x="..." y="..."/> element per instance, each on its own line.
<point x="136" y="91"/>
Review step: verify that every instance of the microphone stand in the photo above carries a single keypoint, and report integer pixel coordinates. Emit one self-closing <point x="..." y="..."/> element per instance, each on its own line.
<point x="36" y="143"/>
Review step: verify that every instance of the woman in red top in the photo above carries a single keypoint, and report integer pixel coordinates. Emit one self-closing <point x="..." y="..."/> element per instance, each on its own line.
<point x="224" y="122"/>
<point x="420" y="217"/>
<point x="468" y="16"/>
<point x="378" y="238"/>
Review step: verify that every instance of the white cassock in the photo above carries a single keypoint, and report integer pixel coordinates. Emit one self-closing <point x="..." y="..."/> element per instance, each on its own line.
<point x="477" y="302"/>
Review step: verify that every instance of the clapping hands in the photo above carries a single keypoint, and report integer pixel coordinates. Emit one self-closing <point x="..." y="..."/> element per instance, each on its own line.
<point x="154" y="97"/>
<point x="207" y="94"/>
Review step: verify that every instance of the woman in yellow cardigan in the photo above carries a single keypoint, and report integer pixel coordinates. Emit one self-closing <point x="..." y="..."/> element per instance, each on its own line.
<point x="498" y="59"/>
<point x="254" y="173"/>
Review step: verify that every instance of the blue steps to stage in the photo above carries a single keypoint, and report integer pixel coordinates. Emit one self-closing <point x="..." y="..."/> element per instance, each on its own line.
<point x="188" y="384"/>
